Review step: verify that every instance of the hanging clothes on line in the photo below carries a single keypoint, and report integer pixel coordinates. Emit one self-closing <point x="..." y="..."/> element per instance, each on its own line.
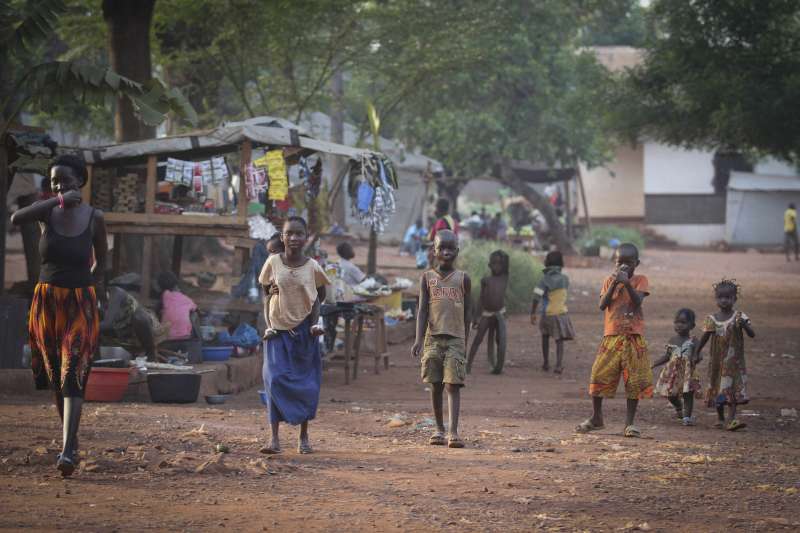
<point x="371" y="188"/>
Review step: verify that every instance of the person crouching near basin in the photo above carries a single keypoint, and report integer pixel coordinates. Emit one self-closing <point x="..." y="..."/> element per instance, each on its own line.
<point x="295" y="286"/>
<point x="442" y="333"/>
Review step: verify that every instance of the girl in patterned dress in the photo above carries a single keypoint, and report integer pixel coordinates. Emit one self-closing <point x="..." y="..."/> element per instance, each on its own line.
<point x="727" y="373"/>
<point x="679" y="379"/>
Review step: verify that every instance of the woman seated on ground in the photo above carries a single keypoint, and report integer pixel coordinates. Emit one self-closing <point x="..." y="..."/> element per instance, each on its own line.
<point x="177" y="308"/>
<point x="129" y="324"/>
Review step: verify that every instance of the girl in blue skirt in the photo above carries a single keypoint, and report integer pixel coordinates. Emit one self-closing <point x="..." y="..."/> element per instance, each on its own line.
<point x="292" y="371"/>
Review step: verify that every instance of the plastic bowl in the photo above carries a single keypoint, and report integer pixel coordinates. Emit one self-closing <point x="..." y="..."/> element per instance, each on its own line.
<point x="263" y="395"/>
<point x="217" y="353"/>
<point x="216" y="399"/>
<point x="107" y="384"/>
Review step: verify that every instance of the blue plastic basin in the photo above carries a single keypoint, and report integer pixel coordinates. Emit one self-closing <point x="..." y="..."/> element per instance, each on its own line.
<point x="217" y="353"/>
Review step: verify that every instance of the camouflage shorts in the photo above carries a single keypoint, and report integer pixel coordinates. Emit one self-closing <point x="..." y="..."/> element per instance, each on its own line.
<point x="444" y="360"/>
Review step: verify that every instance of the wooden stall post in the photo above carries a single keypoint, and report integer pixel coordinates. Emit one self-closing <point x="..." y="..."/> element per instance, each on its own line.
<point x="150" y="185"/>
<point x="242" y="255"/>
<point x="86" y="192"/>
<point x="149" y="209"/>
<point x="177" y="254"/>
<point x="568" y="207"/>
<point x="247" y="155"/>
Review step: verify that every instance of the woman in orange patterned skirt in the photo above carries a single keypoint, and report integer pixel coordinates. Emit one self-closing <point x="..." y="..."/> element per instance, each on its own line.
<point x="63" y="322"/>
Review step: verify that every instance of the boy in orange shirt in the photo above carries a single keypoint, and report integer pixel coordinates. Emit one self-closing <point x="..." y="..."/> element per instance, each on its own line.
<point x="623" y="350"/>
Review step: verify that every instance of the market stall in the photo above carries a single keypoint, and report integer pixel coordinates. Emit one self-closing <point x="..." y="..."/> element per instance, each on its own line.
<point x="205" y="183"/>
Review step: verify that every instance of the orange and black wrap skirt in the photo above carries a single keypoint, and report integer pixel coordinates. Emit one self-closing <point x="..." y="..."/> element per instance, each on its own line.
<point x="64" y="327"/>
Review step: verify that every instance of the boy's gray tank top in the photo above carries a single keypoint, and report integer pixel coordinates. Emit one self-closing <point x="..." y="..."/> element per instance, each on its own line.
<point x="446" y="309"/>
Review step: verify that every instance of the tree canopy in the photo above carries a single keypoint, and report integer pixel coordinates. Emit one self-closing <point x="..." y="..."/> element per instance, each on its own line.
<point x="718" y="74"/>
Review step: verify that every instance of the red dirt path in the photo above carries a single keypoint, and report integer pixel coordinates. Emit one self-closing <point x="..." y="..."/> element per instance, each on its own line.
<point x="523" y="469"/>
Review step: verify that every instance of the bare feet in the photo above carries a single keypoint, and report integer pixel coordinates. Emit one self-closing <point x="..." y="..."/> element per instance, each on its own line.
<point x="545" y="367"/>
<point x="303" y="446"/>
<point x="454" y="441"/>
<point x="437" y="439"/>
<point x="273" y="448"/>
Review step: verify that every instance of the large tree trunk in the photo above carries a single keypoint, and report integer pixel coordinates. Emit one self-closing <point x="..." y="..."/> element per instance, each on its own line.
<point x="128" y="25"/>
<point x="559" y="235"/>
<point x="129" y="54"/>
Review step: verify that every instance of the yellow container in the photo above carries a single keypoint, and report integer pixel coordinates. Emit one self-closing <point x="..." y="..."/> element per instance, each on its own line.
<point x="392" y="302"/>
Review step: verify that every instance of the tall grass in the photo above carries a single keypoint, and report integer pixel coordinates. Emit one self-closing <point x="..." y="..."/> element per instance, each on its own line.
<point x="524" y="272"/>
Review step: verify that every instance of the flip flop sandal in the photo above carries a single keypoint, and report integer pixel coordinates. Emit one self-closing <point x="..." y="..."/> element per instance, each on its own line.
<point x="558" y="370"/>
<point x="633" y="432"/>
<point x="586" y="426"/>
<point x="545" y="368"/>
<point x="735" y="425"/>
<point x="437" y="440"/>
<point x="719" y="425"/>
<point x="269" y="450"/>
<point x="455" y="442"/>
<point x="304" y="449"/>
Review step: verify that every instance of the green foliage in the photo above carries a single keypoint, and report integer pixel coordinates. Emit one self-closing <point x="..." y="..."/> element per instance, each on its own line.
<point x="48" y="85"/>
<point x="23" y="27"/>
<point x="524" y="272"/>
<point x="718" y="74"/>
<point x="520" y="87"/>
<point x="620" y="23"/>
<point x="600" y="236"/>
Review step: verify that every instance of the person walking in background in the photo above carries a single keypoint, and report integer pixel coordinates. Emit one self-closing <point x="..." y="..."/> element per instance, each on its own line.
<point x="790" y="232"/>
<point x="443" y="219"/>
<point x="491" y="303"/>
<point x="555" y="322"/>
<point x="64" y="323"/>
<point x="412" y="239"/>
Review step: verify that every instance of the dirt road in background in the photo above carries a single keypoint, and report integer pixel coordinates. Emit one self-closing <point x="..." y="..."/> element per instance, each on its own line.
<point x="152" y="467"/>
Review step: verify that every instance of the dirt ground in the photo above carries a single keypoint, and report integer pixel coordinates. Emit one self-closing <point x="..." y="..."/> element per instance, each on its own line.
<point x="152" y="467"/>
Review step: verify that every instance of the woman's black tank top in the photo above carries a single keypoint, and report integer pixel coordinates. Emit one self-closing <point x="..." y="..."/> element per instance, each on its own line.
<point x="66" y="261"/>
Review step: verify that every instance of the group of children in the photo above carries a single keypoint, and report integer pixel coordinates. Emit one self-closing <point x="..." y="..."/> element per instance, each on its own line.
<point x="623" y="352"/>
<point x="295" y="288"/>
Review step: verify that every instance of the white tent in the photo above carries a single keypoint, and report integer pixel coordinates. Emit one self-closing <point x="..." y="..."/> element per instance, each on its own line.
<point x="755" y="207"/>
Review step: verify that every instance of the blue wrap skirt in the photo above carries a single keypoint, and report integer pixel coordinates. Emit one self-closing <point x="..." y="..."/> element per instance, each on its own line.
<point x="292" y="374"/>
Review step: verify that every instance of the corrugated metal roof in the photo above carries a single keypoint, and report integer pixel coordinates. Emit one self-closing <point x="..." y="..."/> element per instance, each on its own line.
<point x="749" y="181"/>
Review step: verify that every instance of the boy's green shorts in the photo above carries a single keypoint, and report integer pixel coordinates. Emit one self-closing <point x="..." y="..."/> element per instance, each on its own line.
<point x="444" y="360"/>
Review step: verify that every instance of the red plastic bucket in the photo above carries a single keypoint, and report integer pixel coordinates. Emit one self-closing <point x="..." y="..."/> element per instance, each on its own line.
<point x="107" y="384"/>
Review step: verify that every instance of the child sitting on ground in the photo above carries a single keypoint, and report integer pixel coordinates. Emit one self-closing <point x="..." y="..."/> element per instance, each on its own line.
<point x="680" y="378"/>
<point x="491" y="305"/>
<point x="350" y="273"/>
<point x="727" y="373"/>
<point x="555" y="322"/>
<point x="177" y="308"/>
<point x="442" y="333"/>
<point x="623" y="350"/>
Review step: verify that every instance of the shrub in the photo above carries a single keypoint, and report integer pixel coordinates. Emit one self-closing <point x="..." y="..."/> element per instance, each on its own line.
<point x="524" y="272"/>
<point x="600" y="236"/>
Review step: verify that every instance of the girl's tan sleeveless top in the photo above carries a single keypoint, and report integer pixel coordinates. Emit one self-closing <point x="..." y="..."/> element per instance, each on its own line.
<point x="446" y="307"/>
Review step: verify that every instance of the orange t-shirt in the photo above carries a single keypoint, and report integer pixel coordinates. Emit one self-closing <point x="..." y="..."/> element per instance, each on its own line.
<point x="620" y="317"/>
